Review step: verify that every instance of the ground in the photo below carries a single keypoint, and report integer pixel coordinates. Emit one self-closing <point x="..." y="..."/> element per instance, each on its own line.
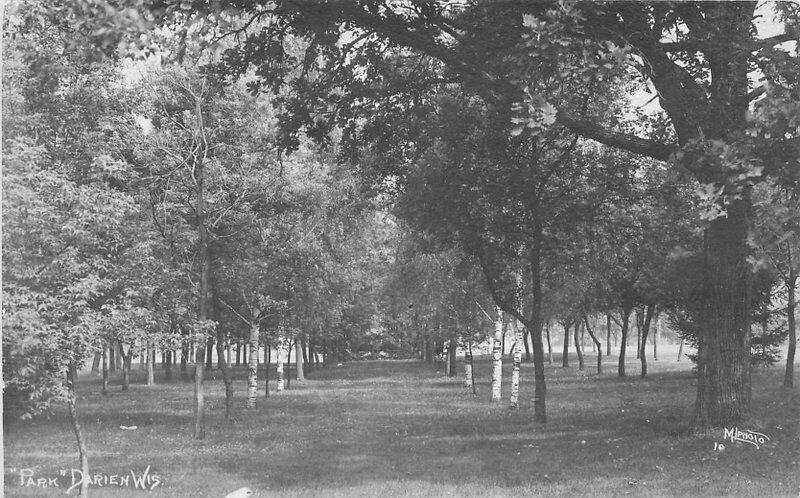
<point x="400" y="428"/>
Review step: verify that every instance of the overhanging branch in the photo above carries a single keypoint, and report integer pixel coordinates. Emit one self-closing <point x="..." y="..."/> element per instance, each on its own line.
<point x="589" y="129"/>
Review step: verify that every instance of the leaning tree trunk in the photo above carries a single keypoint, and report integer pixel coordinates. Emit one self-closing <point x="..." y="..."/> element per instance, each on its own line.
<point x="565" y="355"/>
<point x="517" y="361"/>
<point x="648" y="317"/>
<point x="252" y="366"/>
<point x="788" y="378"/>
<point x="497" y="355"/>
<point x="623" y="343"/>
<point x="597" y="345"/>
<point x="680" y="349"/>
<point x="578" y="348"/>
<point x="76" y="428"/>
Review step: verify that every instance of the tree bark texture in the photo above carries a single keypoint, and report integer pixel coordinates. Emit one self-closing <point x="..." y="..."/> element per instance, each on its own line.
<point x="497" y="356"/>
<point x="252" y="366"/>
<point x="517" y="361"/>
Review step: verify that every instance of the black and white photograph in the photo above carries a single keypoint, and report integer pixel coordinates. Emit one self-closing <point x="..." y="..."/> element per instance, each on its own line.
<point x="400" y="248"/>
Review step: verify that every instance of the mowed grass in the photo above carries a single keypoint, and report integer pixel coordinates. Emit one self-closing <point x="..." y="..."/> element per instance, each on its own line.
<point x="400" y="428"/>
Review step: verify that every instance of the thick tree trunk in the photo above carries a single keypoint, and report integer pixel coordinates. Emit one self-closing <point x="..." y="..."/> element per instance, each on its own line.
<point x="578" y="347"/>
<point x="645" y="330"/>
<point x="565" y="355"/>
<point x="497" y="356"/>
<point x="723" y="385"/>
<point x="210" y="354"/>
<point x="517" y="361"/>
<point x="112" y="357"/>
<point x="623" y="343"/>
<point x="597" y="345"/>
<point x="788" y="378"/>
<point x="298" y="360"/>
<point x="252" y="366"/>
<point x="105" y="368"/>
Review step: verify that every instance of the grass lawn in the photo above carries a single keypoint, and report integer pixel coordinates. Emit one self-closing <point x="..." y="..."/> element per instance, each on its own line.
<point x="400" y="428"/>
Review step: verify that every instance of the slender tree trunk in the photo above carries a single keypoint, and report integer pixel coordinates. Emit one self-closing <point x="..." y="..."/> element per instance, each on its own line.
<point x="549" y="344"/>
<point x="105" y="367"/>
<point x="168" y="364"/>
<point x="298" y="360"/>
<point x="578" y="347"/>
<point x="184" y="357"/>
<point x="76" y="428"/>
<point x="597" y="345"/>
<point x="639" y="320"/>
<point x="252" y="366"/>
<point x="127" y="359"/>
<point x="565" y="356"/>
<point x="788" y="378"/>
<point x="142" y="355"/>
<point x="608" y="335"/>
<point x="656" y="333"/>
<point x="238" y="353"/>
<point x="96" y="363"/>
<point x="497" y="355"/>
<point x="210" y="355"/>
<point x="306" y="364"/>
<point x="525" y="335"/>
<point x="267" y="364"/>
<point x="150" y="373"/>
<point x="279" y="365"/>
<point x="469" y="380"/>
<point x="112" y="357"/>
<point x="517" y="361"/>
<point x="288" y="368"/>
<point x="680" y="349"/>
<point x="645" y="330"/>
<point x="626" y="314"/>
<point x="227" y="378"/>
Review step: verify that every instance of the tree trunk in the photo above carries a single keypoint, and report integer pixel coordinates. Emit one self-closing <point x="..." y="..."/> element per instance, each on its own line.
<point x="680" y="349"/>
<point x="645" y="330"/>
<point x="228" y="352"/>
<point x="608" y="335"/>
<point x="238" y="353"/>
<point x="656" y="333"/>
<point x="526" y="334"/>
<point x="639" y="320"/>
<point x="142" y="355"/>
<point x="267" y="363"/>
<point x="288" y="368"/>
<point x="184" y="357"/>
<point x="112" y="357"/>
<point x="96" y="363"/>
<point x="497" y="356"/>
<point x="127" y="359"/>
<point x="279" y="365"/>
<point x="298" y="360"/>
<point x="210" y="354"/>
<point x="306" y="363"/>
<point x="626" y="314"/>
<point x="723" y="385"/>
<point x="76" y="428"/>
<point x="597" y="345"/>
<point x="150" y="374"/>
<point x="517" y="361"/>
<point x="549" y="344"/>
<point x="105" y="367"/>
<point x="788" y="378"/>
<point x="565" y="356"/>
<point x="469" y="380"/>
<point x="227" y="378"/>
<point x="578" y="347"/>
<point x="252" y="366"/>
<point x="168" y="364"/>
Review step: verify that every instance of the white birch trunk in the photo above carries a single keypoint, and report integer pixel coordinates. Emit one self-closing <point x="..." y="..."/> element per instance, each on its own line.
<point x="252" y="366"/>
<point x="518" y="337"/>
<point x="497" y="356"/>
<point x="279" y="359"/>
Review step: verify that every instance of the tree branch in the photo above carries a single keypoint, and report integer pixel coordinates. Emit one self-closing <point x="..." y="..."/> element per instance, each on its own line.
<point x="589" y="129"/>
